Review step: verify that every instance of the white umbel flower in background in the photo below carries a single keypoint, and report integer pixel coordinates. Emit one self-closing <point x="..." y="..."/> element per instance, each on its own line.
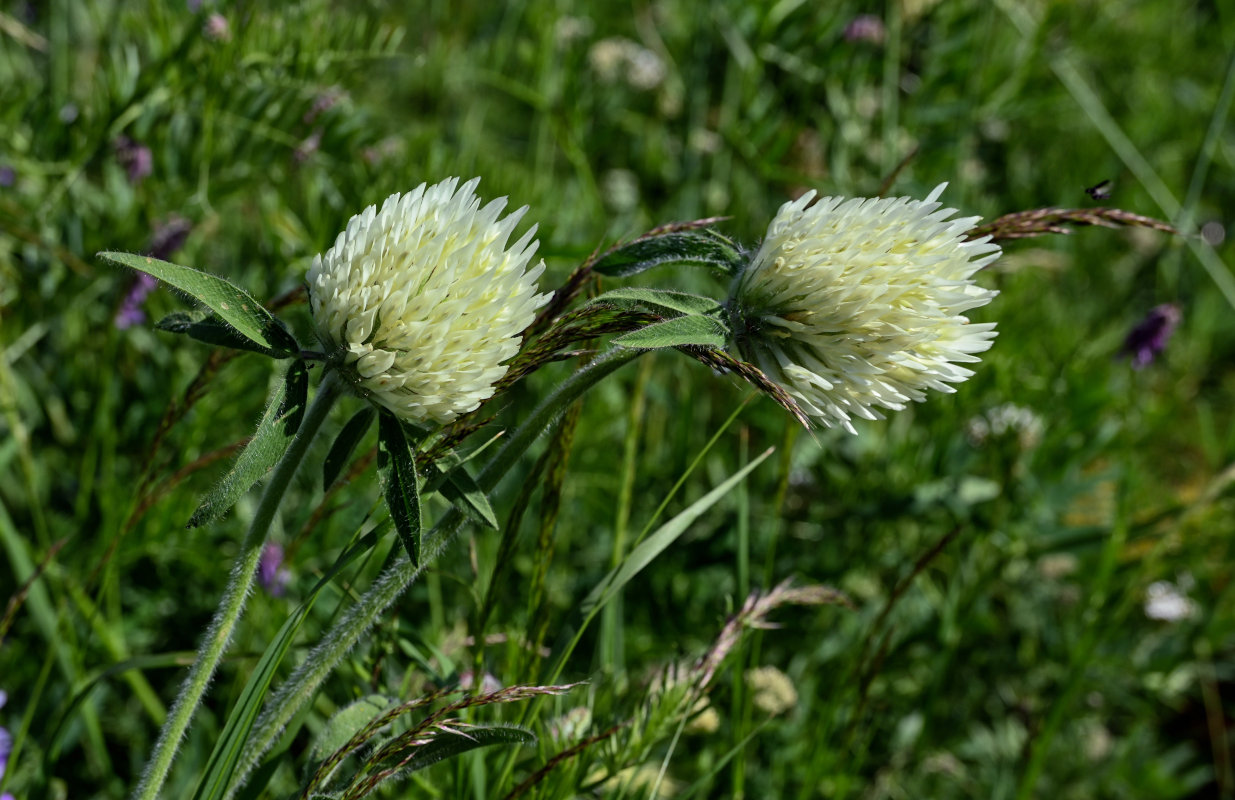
<point x="420" y="303"/>
<point x="853" y="305"/>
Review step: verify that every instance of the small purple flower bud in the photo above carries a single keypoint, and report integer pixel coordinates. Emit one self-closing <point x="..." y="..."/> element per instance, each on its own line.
<point x="323" y="103"/>
<point x="865" y="28"/>
<point x="217" y="28"/>
<point x="8" y="176"/>
<point x="168" y="237"/>
<point x="130" y="312"/>
<point x="308" y="147"/>
<point x="271" y="574"/>
<point x="134" y="157"/>
<point x="6" y="747"/>
<point x="1149" y="336"/>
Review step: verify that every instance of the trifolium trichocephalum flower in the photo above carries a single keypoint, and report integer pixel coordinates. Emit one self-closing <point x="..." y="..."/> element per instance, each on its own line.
<point x="854" y="305"/>
<point x="420" y="303"/>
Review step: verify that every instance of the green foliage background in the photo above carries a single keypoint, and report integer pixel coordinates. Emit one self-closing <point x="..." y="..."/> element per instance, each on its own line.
<point x="1017" y="662"/>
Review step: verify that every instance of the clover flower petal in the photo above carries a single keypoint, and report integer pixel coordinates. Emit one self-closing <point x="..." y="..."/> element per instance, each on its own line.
<point x="852" y="305"/>
<point x="421" y="302"/>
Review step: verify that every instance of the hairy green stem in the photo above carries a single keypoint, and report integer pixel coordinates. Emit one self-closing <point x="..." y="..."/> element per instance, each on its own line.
<point x="231" y="606"/>
<point x="343" y="636"/>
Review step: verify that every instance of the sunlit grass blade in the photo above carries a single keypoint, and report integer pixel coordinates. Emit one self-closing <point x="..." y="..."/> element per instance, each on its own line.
<point x="667" y="534"/>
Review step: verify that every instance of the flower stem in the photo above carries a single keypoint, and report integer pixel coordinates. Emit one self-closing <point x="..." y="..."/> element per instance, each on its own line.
<point x="396" y="578"/>
<point x="231" y="606"/>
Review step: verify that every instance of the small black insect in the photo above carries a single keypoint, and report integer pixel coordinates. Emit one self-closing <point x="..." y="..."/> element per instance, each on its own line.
<point x="1100" y="191"/>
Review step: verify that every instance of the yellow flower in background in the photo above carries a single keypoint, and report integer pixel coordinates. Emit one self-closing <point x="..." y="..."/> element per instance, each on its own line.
<point x="420" y="303"/>
<point x="853" y="305"/>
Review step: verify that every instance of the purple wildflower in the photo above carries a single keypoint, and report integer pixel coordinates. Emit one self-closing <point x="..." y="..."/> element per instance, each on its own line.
<point x="8" y="176"/>
<point x="865" y="28"/>
<point x="1149" y="337"/>
<point x="130" y="312"/>
<point x="271" y="574"/>
<point x="217" y="28"/>
<point x="134" y="157"/>
<point x="324" y="101"/>
<point x="305" y="150"/>
<point x="6" y="742"/>
<point x="168" y="237"/>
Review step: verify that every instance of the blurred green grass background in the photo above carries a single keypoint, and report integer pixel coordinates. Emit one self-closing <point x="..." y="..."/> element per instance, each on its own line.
<point x="1018" y="662"/>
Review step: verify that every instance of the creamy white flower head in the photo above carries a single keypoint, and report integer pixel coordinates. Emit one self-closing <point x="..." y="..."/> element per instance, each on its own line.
<point x="855" y="304"/>
<point x="422" y="301"/>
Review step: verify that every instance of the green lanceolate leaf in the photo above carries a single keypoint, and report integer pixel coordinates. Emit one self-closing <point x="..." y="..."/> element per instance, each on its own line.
<point x="345" y="444"/>
<point x="396" y="463"/>
<point x="664" y="536"/>
<point x="274" y="433"/>
<point x="704" y="248"/>
<point x="659" y="301"/>
<point x="205" y="326"/>
<point x="691" y="330"/>
<point x="234" y="305"/>
<point x="461" y="490"/>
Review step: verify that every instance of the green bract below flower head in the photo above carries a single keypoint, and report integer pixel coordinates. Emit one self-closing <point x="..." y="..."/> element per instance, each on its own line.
<point x="420" y="303"/>
<point x="850" y="305"/>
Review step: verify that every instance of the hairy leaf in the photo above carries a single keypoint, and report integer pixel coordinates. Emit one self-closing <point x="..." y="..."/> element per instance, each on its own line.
<point x="692" y="330"/>
<point x="396" y="463"/>
<point x="274" y="433"/>
<point x="461" y="489"/>
<point x="234" y="305"/>
<point x="660" y="301"/>
<point x="704" y="248"/>
<point x="205" y="326"/>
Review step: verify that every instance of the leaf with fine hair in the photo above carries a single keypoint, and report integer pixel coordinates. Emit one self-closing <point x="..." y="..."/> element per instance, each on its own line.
<point x="273" y="435"/>
<point x="659" y="301"/>
<point x="461" y="489"/>
<point x="205" y="326"/>
<point x="396" y="463"/>
<point x="698" y="330"/>
<point x="704" y="248"/>
<point x="234" y="305"/>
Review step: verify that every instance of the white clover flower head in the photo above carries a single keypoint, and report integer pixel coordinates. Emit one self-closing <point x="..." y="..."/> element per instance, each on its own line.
<point x="420" y="303"/>
<point x="854" y="305"/>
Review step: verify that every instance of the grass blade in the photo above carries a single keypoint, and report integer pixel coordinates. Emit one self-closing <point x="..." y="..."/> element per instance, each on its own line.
<point x="666" y="535"/>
